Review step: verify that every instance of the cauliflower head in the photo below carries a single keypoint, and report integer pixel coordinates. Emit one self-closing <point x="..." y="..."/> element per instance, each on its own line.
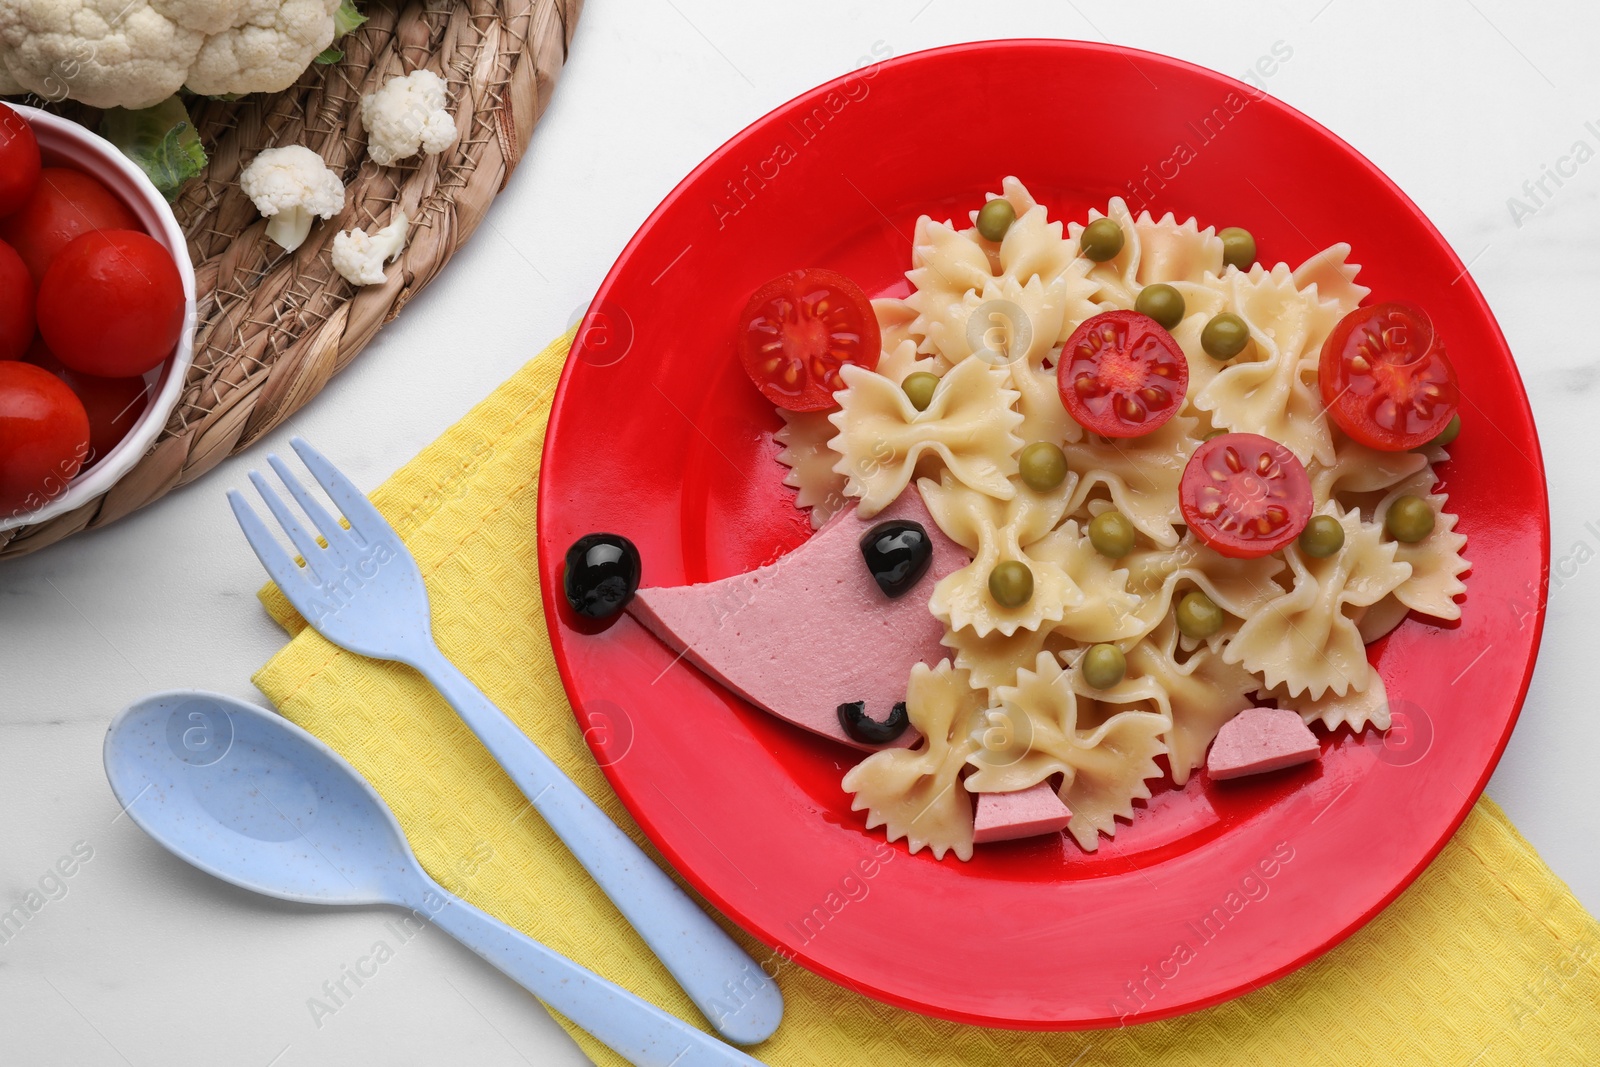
<point x="289" y="186"/>
<point x="136" y="53"/>
<point x="359" y="256"/>
<point x="409" y="114"/>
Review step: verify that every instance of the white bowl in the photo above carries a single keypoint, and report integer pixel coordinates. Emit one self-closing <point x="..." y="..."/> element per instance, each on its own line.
<point x="64" y="142"/>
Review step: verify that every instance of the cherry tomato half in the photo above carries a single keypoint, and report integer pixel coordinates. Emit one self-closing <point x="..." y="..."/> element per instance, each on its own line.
<point x="1385" y="377"/>
<point x="133" y="285"/>
<point x="1121" y="374"/>
<point x="19" y="160"/>
<point x="65" y="204"/>
<point x="44" y="436"/>
<point x="16" y="304"/>
<point x="797" y="331"/>
<point x="1245" y="495"/>
<point x="113" y="404"/>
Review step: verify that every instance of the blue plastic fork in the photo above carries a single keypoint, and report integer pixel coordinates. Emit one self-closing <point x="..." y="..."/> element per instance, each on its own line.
<point x="364" y="593"/>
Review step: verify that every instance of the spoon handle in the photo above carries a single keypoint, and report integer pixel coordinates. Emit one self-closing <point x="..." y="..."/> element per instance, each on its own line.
<point x="736" y="996"/>
<point x="635" y="1029"/>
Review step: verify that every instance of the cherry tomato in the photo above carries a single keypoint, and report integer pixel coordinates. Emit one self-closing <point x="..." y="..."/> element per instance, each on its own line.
<point x="44" y="436"/>
<point x="1121" y="374"/>
<point x="113" y="404"/>
<point x="19" y="160"/>
<point x="797" y="331"/>
<point x="136" y="291"/>
<point x="16" y="304"/>
<point x="65" y="204"/>
<point x="1245" y="495"/>
<point x="1385" y="377"/>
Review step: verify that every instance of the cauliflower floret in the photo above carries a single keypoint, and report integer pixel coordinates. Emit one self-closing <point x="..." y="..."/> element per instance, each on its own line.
<point x="290" y="185"/>
<point x="359" y="256"/>
<point x="408" y="115"/>
<point x="136" y="53"/>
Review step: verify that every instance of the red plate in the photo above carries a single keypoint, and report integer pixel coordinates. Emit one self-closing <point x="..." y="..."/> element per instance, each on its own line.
<point x="657" y="434"/>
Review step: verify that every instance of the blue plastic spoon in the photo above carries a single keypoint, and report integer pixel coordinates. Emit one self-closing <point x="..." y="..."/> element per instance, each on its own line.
<point x="253" y="799"/>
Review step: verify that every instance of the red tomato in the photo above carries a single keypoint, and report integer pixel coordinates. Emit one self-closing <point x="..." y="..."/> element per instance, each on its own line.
<point x="799" y="329"/>
<point x="65" y="204"/>
<point x="44" y="437"/>
<point x="1121" y="374"/>
<point x="16" y="304"/>
<point x="1245" y="495"/>
<point x="113" y="404"/>
<point x="136" y="291"/>
<point x="19" y="160"/>
<point x="1385" y="377"/>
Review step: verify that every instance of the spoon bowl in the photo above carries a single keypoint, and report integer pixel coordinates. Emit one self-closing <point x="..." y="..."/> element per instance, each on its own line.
<point x="245" y="796"/>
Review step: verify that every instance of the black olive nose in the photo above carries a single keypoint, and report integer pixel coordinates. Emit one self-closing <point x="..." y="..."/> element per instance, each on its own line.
<point x="898" y="553"/>
<point x="602" y="574"/>
<point x="853" y="717"/>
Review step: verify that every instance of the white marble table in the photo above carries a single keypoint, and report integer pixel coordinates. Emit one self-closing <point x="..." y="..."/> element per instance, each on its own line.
<point x="140" y="960"/>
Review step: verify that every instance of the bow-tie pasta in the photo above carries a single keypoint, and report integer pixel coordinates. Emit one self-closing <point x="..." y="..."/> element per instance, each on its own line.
<point x="965" y="408"/>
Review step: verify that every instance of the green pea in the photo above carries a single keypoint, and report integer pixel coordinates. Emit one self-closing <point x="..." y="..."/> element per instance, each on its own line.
<point x="1161" y="302"/>
<point x="1410" y="519"/>
<point x="1111" y="534"/>
<point x="1214" y="434"/>
<point x="1011" y="583"/>
<point x="1101" y="240"/>
<point x="1104" y="666"/>
<point x="1448" y="435"/>
<point x="1322" y="537"/>
<point x="1238" y="247"/>
<point x="1043" y="466"/>
<point x="995" y="218"/>
<point x="1224" y="336"/>
<point x="919" y="387"/>
<point x="1198" y="615"/>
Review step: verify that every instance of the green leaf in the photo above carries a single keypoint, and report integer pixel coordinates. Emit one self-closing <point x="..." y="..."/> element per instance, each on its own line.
<point x="161" y="140"/>
<point x="347" y="18"/>
<point x="329" y="55"/>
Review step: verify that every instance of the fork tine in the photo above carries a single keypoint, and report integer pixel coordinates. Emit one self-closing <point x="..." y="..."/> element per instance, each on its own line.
<point x="337" y="536"/>
<point x="304" y="543"/>
<point x="280" y="568"/>
<point x="364" y="518"/>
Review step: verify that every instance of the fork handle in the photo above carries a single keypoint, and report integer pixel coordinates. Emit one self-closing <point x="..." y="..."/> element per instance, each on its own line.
<point x="635" y="1029"/>
<point x="736" y="996"/>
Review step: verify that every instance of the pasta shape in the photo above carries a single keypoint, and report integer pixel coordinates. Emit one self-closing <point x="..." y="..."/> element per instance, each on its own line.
<point x="1380" y="619"/>
<point x="995" y="530"/>
<point x="1035" y="734"/>
<point x="804" y="436"/>
<point x="1197" y="695"/>
<point x="1359" y="469"/>
<point x="1303" y="640"/>
<point x="1333" y="277"/>
<point x="904" y="359"/>
<point x="1270" y="389"/>
<point x="1141" y="475"/>
<point x="1170" y="251"/>
<point x="1240" y="587"/>
<point x="1117" y="279"/>
<point x="969" y="425"/>
<point x="1107" y="609"/>
<point x="1356" y="709"/>
<point x="895" y="317"/>
<point x="915" y="793"/>
<point x="1436" y="562"/>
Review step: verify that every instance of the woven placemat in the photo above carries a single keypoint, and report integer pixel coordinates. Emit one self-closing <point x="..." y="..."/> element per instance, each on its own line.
<point x="275" y="326"/>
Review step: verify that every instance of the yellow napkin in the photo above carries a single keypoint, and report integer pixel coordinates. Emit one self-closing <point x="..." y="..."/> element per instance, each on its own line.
<point x="1487" y="959"/>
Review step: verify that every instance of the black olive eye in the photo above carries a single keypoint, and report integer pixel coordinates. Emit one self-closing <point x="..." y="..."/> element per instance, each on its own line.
<point x="602" y="574"/>
<point x="853" y="717"/>
<point x="897" y="553"/>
